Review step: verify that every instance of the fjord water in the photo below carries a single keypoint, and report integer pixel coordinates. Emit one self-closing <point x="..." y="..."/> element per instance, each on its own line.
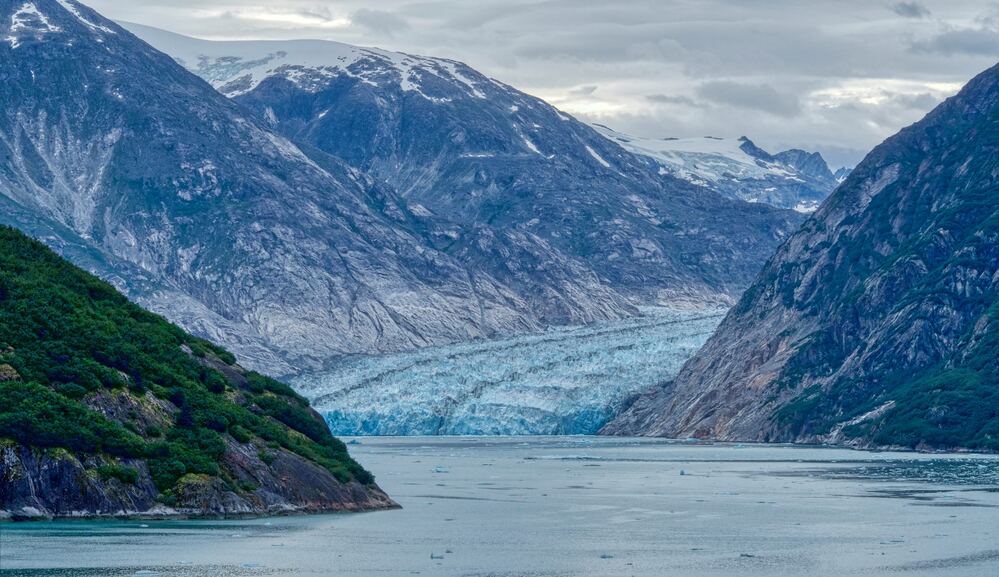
<point x="557" y="382"/>
<point x="579" y="506"/>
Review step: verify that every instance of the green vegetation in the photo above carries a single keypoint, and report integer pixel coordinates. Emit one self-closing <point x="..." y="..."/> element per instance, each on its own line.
<point x="122" y="473"/>
<point x="953" y="404"/>
<point x="67" y="340"/>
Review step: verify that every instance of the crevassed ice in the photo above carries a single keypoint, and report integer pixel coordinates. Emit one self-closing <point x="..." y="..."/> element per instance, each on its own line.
<point x="564" y="381"/>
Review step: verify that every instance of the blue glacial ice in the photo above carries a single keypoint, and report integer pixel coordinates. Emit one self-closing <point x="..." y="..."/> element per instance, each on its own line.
<point x="562" y="381"/>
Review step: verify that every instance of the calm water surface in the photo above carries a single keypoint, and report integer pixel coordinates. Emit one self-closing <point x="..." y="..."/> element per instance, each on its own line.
<point x="552" y="507"/>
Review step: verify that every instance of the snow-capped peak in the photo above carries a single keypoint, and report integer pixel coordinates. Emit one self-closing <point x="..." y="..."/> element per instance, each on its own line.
<point x="237" y="67"/>
<point x="734" y="167"/>
<point x="42" y="18"/>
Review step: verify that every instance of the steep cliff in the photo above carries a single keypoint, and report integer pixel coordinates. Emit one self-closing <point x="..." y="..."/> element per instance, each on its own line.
<point x="106" y="409"/>
<point x="878" y="322"/>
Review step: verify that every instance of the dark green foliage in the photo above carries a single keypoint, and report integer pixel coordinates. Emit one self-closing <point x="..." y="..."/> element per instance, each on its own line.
<point x="124" y="474"/>
<point x="953" y="404"/>
<point x="35" y="415"/>
<point x="69" y="335"/>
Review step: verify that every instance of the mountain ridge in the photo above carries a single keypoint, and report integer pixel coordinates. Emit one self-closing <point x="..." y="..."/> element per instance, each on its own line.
<point x="737" y="168"/>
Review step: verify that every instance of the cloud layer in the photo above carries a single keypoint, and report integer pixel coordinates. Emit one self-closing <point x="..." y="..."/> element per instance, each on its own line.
<point x="838" y="77"/>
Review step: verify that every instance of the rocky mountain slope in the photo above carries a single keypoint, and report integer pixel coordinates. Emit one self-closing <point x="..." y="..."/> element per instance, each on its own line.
<point x="878" y="322"/>
<point x="510" y="183"/>
<point x="235" y="232"/>
<point x="106" y="409"/>
<point x="198" y="209"/>
<point x="737" y="168"/>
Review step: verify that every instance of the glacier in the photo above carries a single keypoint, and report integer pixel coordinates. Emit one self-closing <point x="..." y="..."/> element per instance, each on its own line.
<point x="563" y="381"/>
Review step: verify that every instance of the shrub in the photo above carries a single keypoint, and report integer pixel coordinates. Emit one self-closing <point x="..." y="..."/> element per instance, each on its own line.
<point x="124" y="474"/>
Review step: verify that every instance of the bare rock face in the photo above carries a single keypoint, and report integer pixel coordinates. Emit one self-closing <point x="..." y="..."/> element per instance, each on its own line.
<point x="43" y="484"/>
<point x="875" y="324"/>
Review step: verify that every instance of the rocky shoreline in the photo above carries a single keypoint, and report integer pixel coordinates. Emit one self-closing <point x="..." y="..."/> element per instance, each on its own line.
<point x="38" y="484"/>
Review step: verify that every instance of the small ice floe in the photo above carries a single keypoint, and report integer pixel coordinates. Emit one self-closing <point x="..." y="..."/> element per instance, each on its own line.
<point x="439" y="469"/>
<point x="144" y="526"/>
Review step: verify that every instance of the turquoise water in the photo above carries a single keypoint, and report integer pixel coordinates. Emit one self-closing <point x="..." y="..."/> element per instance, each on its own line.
<point x="553" y="507"/>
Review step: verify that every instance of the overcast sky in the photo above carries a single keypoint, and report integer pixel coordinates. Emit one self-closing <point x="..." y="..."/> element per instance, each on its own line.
<point x="836" y="76"/>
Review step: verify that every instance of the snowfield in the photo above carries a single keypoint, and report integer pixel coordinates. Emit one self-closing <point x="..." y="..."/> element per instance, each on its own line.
<point x="563" y="381"/>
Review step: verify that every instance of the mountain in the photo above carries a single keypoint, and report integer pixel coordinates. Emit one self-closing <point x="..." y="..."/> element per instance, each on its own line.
<point x="737" y="168"/>
<point x="877" y="324"/>
<point x="107" y="409"/>
<point x="504" y="181"/>
<point x="841" y="174"/>
<point x="205" y="215"/>
<point x="197" y="209"/>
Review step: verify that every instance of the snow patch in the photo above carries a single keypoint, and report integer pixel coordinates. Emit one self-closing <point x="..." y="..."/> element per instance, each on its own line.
<point x="28" y="18"/>
<point x="531" y="145"/>
<point x="599" y="158"/>
<point x="68" y="5"/>
<point x="700" y="160"/>
<point x="420" y="210"/>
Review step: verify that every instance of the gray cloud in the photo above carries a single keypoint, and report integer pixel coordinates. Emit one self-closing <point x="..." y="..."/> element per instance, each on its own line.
<point x="833" y="76"/>
<point x="583" y="90"/>
<point x="967" y="41"/>
<point x="380" y="22"/>
<point x="910" y="10"/>
<point x="753" y="96"/>
<point x="671" y="99"/>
